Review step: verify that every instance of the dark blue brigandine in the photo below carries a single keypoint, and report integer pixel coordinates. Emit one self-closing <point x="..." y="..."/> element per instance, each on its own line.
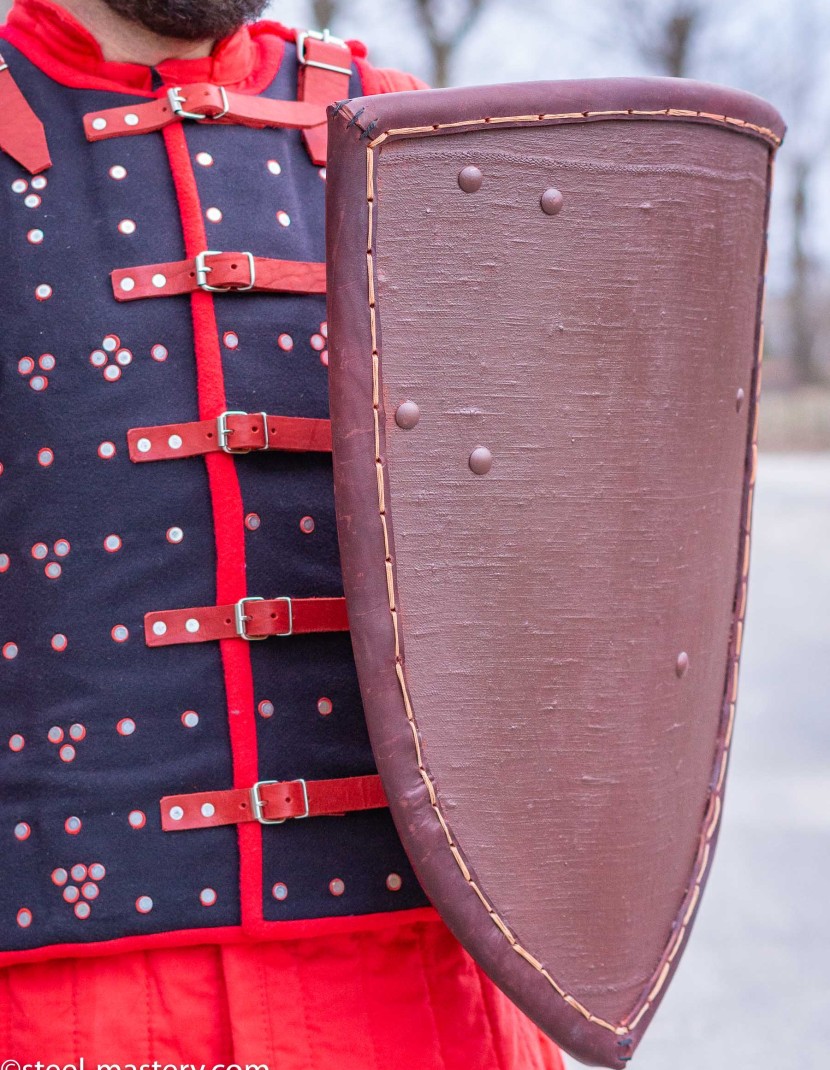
<point x="96" y="726"/>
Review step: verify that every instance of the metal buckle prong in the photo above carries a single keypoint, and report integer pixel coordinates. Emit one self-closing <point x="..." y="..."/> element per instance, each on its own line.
<point x="328" y="38"/>
<point x="223" y="431"/>
<point x="177" y="99"/>
<point x="258" y="804"/>
<point x="240" y="617"/>
<point x="202" y="272"/>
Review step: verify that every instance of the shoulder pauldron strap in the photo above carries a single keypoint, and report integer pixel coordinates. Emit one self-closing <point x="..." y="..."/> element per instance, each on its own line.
<point x="21" y="132"/>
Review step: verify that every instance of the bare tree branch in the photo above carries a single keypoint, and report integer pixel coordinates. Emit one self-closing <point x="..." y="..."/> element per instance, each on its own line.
<point x="444" y="33"/>
<point x="324" y="12"/>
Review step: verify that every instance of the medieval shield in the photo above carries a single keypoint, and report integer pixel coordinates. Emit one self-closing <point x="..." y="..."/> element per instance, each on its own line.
<point x="545" y="320"/>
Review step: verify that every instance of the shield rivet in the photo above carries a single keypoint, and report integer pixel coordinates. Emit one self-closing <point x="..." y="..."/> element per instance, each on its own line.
<point x="407" y="415"/>
<point x="481" y="460"/>
<point x="552" y="201"/>
<point x="739" y="400"/>
<point x="682" y="666"/>
<point x="469" y="179"/>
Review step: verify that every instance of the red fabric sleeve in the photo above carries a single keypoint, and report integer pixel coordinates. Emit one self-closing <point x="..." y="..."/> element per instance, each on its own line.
<point x="384" y="80"/>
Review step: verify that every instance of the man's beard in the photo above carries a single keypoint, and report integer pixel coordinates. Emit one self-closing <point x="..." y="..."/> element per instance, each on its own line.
<point x="189" y="20"/>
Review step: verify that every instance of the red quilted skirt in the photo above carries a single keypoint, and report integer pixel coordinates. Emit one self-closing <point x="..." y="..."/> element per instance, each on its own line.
<point x="399" y="997"/>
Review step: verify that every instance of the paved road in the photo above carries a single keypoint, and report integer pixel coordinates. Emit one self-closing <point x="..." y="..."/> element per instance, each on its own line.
<point x="753" y="990"/>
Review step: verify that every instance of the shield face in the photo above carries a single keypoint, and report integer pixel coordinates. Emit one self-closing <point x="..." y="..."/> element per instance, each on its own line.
<point x="544" y="385"/>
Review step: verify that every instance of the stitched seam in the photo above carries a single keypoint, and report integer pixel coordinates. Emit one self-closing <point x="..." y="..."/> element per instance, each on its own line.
<point x="679" y="113"/>
<point x="73" y="982"/>
<point x="311" y="1062"/>
<point x="714" y="806"/>
<point x="419" y="939"/>
<point x="266" y="1016"/>
<point x="498" y="1053"/>
<point x="360" y="946"/>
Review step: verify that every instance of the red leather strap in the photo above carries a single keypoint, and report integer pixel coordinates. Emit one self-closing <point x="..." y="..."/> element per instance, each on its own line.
<point x="21" y="132"/>
<point x="318" y="84"/>
<point x="203" y="102"/>
<point x="239" y="432"/>
<point x="272" y="801"/>
<point x="223" y="271"/>
<point x="251" y="618"/>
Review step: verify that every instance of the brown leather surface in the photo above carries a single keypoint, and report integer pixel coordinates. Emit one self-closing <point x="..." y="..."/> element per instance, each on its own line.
<point x="569" y="620"/>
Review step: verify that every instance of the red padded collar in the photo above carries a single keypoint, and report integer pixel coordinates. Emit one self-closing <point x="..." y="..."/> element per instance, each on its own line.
<point x="65" y="50"/>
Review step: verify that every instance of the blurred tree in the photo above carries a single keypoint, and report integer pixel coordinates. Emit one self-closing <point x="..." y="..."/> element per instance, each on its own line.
<point x="445" y="26"/>
<point x="664" y="34"/>
<point x="807" y="110"/>
<point x="324" y="13"/>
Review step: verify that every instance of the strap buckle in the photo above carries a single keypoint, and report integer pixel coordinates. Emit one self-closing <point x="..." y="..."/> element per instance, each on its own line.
<point x="258" y="804"/>
<point x="177" y="99"/>
<point x="224" y="431"/>
<point x="327" y="38"/>
<point x="202" y="272"/>
<point x="240" y="616"/>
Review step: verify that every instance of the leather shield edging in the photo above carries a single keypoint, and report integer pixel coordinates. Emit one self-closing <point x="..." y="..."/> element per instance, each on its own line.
<point x="364" y="553"/>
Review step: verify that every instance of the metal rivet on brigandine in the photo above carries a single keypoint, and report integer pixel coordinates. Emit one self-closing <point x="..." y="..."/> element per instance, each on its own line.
<point x="394" y="882"/>
<point x="190" y="718"/>
<point x="207" y="809"/>
<point x="159" y="627"/>
<point x="739" y="400"/>
<point x="279" y="891"/>
<point x="682" y="664"/>
<point x="137" y="819"/>
<point x="337" y="886"/>
<point x="207" y="897"/>
<point x="470" y="179"/>
<point x="407" y="415"/>
<point x="481" y="460"/>
<point x="144" y="904"/>
<point x="175" y="813"/>
<point x="552" y="201"/>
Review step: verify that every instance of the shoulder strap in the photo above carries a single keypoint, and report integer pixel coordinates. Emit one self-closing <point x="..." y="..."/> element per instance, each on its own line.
<point x="21" y="132"/>
<point x="325" y="67"/>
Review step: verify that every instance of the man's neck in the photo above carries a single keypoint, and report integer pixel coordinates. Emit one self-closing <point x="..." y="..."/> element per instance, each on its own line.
<point x="123" y="41"/>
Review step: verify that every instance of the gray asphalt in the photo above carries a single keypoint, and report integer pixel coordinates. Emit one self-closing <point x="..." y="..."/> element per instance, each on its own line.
<point x="753" y="989"/>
